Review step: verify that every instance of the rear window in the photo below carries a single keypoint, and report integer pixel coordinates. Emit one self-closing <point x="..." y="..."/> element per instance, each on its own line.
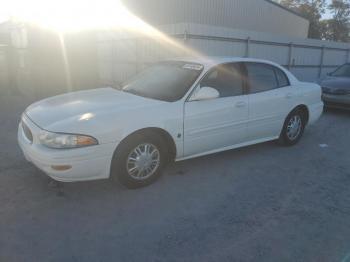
<point x="282" y="78"/>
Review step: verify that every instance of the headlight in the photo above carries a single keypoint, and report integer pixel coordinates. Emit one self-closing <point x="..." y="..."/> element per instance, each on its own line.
<point x="62" y="141"/>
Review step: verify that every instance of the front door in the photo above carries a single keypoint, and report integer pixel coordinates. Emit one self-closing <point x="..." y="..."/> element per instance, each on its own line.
<point x="211" y="125"/>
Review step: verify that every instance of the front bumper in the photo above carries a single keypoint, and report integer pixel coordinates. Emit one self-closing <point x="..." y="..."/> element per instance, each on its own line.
<point x="89" y="163"/>
<point x="336" y="101"/>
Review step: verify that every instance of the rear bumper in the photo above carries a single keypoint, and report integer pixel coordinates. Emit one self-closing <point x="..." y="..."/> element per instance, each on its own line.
<point x="88" y="163"/>
<point x="336" y="101"/>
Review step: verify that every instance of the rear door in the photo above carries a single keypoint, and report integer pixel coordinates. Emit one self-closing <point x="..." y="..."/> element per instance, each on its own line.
<point x="270" y="96"/>
<point x="213" y="124"/>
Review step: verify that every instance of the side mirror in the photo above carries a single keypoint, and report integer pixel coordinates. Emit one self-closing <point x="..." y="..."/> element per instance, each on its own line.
<point x="205" y="93"/>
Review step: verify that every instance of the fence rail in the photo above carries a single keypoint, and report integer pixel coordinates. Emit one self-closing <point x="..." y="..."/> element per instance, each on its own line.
<point x="122" y="57"/>
<point x="248" y="41"/>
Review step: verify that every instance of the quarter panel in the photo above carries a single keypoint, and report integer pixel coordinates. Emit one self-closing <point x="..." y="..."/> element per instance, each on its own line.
<point x="310" y="95"/>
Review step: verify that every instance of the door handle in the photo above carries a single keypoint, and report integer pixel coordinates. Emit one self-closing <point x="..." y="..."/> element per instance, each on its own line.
<point x="241" y="104"/>
<point x="289" y="96"/>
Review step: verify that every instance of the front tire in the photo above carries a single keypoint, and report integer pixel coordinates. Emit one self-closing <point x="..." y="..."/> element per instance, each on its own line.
<point x="293" y="128"/>
<point x="139" y="160"/>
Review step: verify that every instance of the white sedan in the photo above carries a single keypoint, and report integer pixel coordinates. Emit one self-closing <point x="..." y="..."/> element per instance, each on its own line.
<point x="174" y="110"/>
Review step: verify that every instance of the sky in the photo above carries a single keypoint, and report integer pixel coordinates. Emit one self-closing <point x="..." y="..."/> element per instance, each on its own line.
<point x="20" y="7"/>
<point x="327" y="15"/>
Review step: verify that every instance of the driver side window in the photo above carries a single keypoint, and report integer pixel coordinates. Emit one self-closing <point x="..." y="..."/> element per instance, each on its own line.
<point x="226" y="79"/>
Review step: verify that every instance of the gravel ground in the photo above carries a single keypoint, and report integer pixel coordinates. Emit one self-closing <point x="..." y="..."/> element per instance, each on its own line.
<point x="260" y="203"/>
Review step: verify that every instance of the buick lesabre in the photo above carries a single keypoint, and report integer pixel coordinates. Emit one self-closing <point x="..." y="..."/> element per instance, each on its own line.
<point x="174" y="110"/>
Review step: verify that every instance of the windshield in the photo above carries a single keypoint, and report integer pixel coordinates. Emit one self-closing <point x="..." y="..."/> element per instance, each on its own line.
<point x="343" y="71"/>
<point x="166" y="81"/>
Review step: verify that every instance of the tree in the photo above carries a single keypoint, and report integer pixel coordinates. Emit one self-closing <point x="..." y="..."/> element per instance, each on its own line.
<point x="338" y="27"/>
<point x="312" y="10"/>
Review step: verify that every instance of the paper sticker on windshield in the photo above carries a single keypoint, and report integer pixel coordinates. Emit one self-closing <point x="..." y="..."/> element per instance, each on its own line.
<point x="193" y="67"/>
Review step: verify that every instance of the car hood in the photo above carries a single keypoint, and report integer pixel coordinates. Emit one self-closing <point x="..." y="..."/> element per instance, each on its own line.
<point x="336" y="83"/>
<point x="62" y="113"/>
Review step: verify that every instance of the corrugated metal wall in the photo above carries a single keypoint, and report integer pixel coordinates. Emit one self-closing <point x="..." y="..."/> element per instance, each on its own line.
<point x="254" y="15"/>
<point x="45" y="63"/>
<point x="121" y="57"/>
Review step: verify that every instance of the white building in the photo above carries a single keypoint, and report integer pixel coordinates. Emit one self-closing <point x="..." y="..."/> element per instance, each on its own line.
<point x="253" y="15"/>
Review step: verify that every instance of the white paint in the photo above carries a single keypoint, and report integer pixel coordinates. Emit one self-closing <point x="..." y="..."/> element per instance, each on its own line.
<point x="208" y="126"/>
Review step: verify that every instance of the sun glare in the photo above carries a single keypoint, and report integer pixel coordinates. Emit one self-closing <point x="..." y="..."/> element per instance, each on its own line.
<point x="65" y="16"/>
<point x="73" y="15"/>
<point x="77" y="15"/>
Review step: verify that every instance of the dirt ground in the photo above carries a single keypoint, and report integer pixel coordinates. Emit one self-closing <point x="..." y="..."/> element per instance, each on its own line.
<point x="260" y="203"/>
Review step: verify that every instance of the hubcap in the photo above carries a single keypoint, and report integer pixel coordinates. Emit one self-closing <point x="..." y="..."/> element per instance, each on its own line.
<point x="294" y="127"/>
<point x="143" y="161"/>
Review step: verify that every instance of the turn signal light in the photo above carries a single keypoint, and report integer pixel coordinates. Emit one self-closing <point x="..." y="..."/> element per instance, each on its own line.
<point x="86" y="141"/>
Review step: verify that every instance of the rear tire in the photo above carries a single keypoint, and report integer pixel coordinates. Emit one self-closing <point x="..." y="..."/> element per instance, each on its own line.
<point x="293" y="128"/>
<point x="139" y="160"/>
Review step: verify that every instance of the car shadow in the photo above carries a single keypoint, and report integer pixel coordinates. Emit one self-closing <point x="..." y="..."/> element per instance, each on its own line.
<point x="337" y="111"/>
<point x="196" y="167"/>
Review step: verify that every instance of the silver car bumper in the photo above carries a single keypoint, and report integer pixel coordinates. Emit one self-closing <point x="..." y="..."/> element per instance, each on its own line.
<point x="337" y="101"/>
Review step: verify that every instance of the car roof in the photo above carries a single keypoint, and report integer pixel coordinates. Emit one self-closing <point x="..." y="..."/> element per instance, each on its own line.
<point x="209" y="61"/>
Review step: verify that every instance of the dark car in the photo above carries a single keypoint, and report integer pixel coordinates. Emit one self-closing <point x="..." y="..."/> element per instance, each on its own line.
<point x="336" y="88"/>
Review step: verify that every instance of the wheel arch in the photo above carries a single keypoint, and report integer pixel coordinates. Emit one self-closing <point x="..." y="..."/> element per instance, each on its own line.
<point x="305" y="110"/>
<point x="154" y="131"/>
<point x="306" y="115"/>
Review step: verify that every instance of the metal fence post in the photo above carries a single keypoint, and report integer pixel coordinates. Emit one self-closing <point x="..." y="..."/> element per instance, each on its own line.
<point x="321" y="62"/>
<point x="290" y="55"/>
<point x="185" y="37"/>
<point x="348" y="56"/>
<point x="11" y="74"/>
<point x="247" y="50"/>
<point x="137" y="54"/>
<point x="114" y="80"/>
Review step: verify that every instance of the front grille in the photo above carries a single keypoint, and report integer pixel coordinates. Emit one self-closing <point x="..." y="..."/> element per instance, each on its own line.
<point x="341" y="92"/>
<point x="27" y="132"/>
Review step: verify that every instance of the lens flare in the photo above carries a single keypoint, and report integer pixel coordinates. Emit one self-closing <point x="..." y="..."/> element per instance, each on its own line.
<point x="70" y="16"/>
